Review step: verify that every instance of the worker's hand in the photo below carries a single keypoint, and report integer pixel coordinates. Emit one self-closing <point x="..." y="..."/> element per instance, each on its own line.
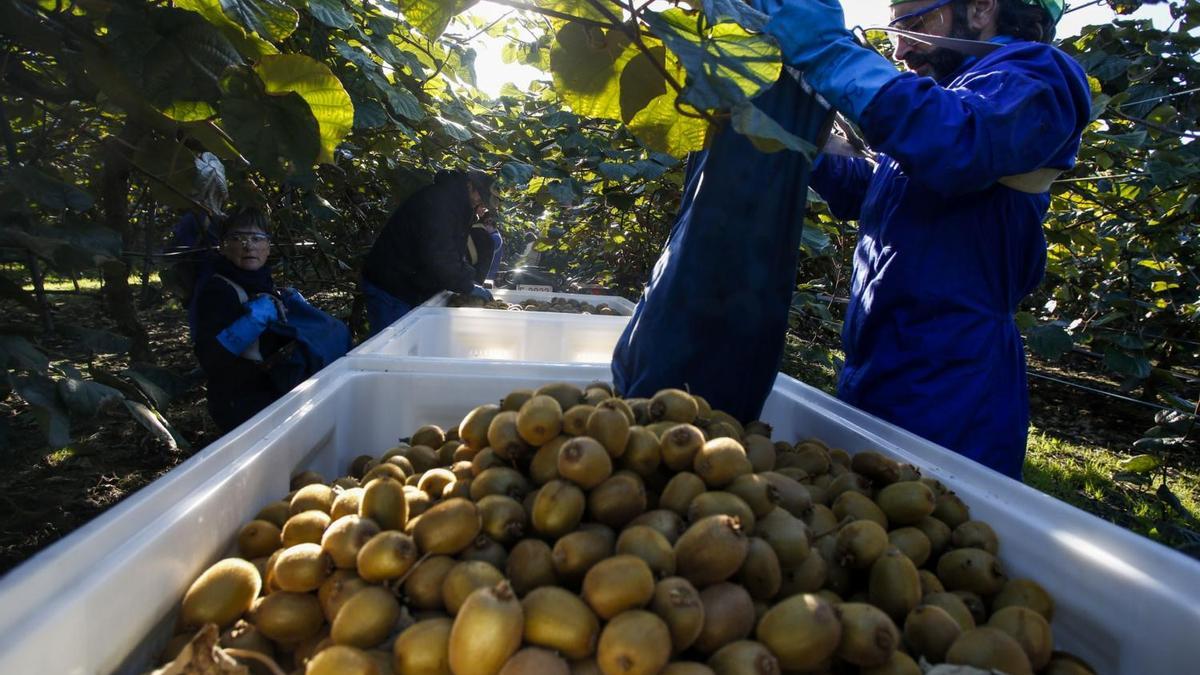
<point x="813" y="37"/>
<point x="263" y="309"/>
<point x="481" y="292"/>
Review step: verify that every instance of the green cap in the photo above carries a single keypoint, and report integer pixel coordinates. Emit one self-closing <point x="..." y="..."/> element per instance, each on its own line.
<point x="1055" y="7"/>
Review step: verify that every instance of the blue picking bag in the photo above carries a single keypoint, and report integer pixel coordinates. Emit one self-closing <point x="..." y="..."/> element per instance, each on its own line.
<point x="714" y="316"/>
<point x="318" y="340"/>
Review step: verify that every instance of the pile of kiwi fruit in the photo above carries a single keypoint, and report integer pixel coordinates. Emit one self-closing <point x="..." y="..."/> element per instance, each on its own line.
<point x="568" y="530"/>
<point x="559" y="305"/>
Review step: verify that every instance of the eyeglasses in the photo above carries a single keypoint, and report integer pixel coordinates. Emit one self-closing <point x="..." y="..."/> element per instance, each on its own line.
<point x="248" y="239"/>
<point x="914" y="22"/>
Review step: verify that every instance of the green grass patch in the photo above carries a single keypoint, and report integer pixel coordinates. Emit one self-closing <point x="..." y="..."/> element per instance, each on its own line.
<point x="1089" y="477"/>
<point x="86" y="284"/>
<point x="59" y="456"/>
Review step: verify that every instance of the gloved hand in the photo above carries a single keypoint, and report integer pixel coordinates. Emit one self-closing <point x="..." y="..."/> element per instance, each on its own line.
<point x="813" y="38"/>
<point x="480" y="292"/>
<point x="242" y="333"/>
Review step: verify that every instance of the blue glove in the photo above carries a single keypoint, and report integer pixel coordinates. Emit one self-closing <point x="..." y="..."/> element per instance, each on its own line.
<point x="481" y="292"/>
<point x="813" y="38"/>
<point x="242" y="333"/>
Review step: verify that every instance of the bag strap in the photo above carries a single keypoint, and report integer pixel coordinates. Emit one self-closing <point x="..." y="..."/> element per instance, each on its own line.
<point x="252" y="353"/>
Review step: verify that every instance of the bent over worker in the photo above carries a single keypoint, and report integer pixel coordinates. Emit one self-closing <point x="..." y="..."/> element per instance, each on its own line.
<point x="950" y="212"/>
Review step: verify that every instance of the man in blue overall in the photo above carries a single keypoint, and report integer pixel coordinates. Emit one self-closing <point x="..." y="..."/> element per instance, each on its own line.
<point x="950" y="210"/>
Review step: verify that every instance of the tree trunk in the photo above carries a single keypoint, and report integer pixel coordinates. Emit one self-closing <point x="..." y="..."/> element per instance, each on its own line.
<point x="114" y="198"/>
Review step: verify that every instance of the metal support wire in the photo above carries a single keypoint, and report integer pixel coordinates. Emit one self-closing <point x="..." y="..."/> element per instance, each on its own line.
<point x="1148" y="404"/>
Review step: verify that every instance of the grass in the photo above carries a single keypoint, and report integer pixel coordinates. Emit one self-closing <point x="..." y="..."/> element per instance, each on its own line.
<point x="86" y="284"/>
<point x="1086" y="477"/>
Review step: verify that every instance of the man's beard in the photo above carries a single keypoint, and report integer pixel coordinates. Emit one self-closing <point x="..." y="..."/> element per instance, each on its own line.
<point x="943" y="61"/>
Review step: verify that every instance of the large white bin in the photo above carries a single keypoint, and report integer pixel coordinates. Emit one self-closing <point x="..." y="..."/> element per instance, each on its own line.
<point x="440" y="332"/>
<point x="1124" y="603"/>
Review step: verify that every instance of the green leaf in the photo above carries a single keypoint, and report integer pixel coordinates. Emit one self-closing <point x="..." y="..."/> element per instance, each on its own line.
<point x="1129" y="365"/>
<point x="659" y="126"/>
<point x="1141" y="464"/>
<point x="272" y="19"/>
<point x="247" y="44"/>
<point x="1024" y="321"/>
<point x="1049" y="341"/>
<point x="46" y="190"/>
<point x="332" y="13"/>
<point x="432" y="16"/>
<point x="516" y="173"/>
<point x="641" y="82"/>
<point x="586" y="63"/>
<point x="737" y="11"/>
<point x="190" y="111"/>
<point x="580" y="8"/>
<point x="404" y="103"/>
<point x="276" y="133"/>
<point x="320" y="89"/>
<point x="173" y="164"/>
<point x="1163" y="114"/>
<point x="368" y="113"/>
<point x="725" y="64"/>
<point x="766" y="134"/>
<point x="84" y="398"/>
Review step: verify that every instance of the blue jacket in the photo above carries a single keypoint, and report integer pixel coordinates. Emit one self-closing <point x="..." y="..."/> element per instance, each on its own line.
<point x="945" y="254"/>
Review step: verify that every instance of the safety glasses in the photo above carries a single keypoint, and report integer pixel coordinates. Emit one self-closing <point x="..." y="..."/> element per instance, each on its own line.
<point x="248" y="239"/>
<point x="916" y="22"/>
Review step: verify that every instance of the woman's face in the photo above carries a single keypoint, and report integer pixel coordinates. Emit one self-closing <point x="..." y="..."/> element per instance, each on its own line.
<point x="246" y="247"/>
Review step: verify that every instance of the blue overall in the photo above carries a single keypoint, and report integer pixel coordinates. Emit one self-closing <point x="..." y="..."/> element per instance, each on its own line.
<point x="715" y="314"/>
<point x="945" y="253"/>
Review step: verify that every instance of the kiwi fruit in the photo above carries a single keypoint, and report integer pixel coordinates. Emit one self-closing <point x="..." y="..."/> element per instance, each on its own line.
<point x="756" y="491"/>
<point x="811" y="456"/>
<point x="1024" y="593"/>
<point x="642" y="454"/>
<point x="304" y="528"/>
<point x="674" y="405"/>
<point x="515" y="399"/>
<point x="336" y="590"/>
<point x="760" y="574"/>
<point x="894" y="584"/>
<point x="906" y="502"/>
<point x="634" y="643"/>
<point x="543" y="466"/>
<point x="258" y="539"/>
<point x="971" y="569"/>
<point x="301" y="568"/>
<point x="486" y="549"/>
<point x="557" y="508"/>
<point x="667" y="523"/>
<point x="584" y="461"/>
<point x="473" y="429"/>
<point x="911" y="542"/>
<point x="557" y="619"/>
<point x="679" y="445"/>
<point x="423" y="648"/>
<point x="574" y="421"/>
<point x="617" y="500"/>
<point x="848" y="482"/>
<point x="807" y="577"/>
<point x="341" y="660"/>
<point x="287" y="618"/>
<point x="898" y="664"/>
<point x="787" y="534"/>
<point x="975" y="534"/>
<point x="434" y="481"/>
<point x="930" y="583"/>
<point x="276" y="512"/>
<point x="728" y="616"/>
<point x="423" y="584"/>
<point x="856" y="506"/>
<point x="929" y="631"/>
<point x="429" y="435"/>
<point x="951" y="510"/>
<point x="679" y="492"/>
<point x="384" y="502"/>
<point x="388" y="470"/>
<point x="686" y="668"/>
<point x="447" y="527"/>
<point x="347" y="503"/>
<point x="617" y="584"/>
<point x="534" y="661"/>
<point x="610" y="427"/>
<point x="387" y="555"/>
<point x="1062" y="663"/>
<point x="869" y="637"/>
<point x="721" y="460"/>
<point x="711" y="550"/>
<point x="678" y="604"/>
<point x="464" y="578"/>
<point x="744" y="657"/>
<point x="719" y="502"/>
<point x="575" y="553"/>
<point x="938" y="534"/>
<point x="651" y="546"/>
<point x="530" y="566"/>
<point x="305" y="478"/>
<point x="504" y="437"/>
<point x="503" y="518"/>
<point x="954" y="606"/>
<point x="821" y="521"/>
<point x="802" y="631"/>
<point x="345" y="536"/>
<point x="859" y="544"/>
<point x="1029" y="629"/>
<point x="567" y="395"/>
<point x="539" y="420"/>
<point x="221" y="594"/>
<point x="760" y="451"/>
<point x="989" y="648"/>
<point x="486" y="459"/>
<point x="487" y="631"/>
<point x="876" y="467"/>
<point x="788" y="493"/>
<point x="366" y="618"/>
<point x="499" y="480"/>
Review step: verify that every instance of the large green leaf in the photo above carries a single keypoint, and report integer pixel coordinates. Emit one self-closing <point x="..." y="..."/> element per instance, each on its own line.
<point x="320" y="89"/>
<point x="276" y="133"/>
<point x="586" y="63"/>
<point x="1140" y="464"/>
<point x="725" y="64"/>
<point x="332" y="13"/>
<point x="249" y="44"/>
<point x="1128" y="365"/>
<point x="1049" y="341"/>
<point x="765" y="133"/>
<point x="47" y="191"/>
<point x="432" y="16"/>
<point x="172" y="164"/>
<point x="583" y="9"/>
<point x="659" y="126"/>
<point x="641" y="82"/>
<point x="272" y="19"/>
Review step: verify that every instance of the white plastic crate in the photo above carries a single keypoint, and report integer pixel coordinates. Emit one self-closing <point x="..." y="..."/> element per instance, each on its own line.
<point x="619" y="305"/>
<point x="440" y="332"/>
<point x="1124" y="603"/>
